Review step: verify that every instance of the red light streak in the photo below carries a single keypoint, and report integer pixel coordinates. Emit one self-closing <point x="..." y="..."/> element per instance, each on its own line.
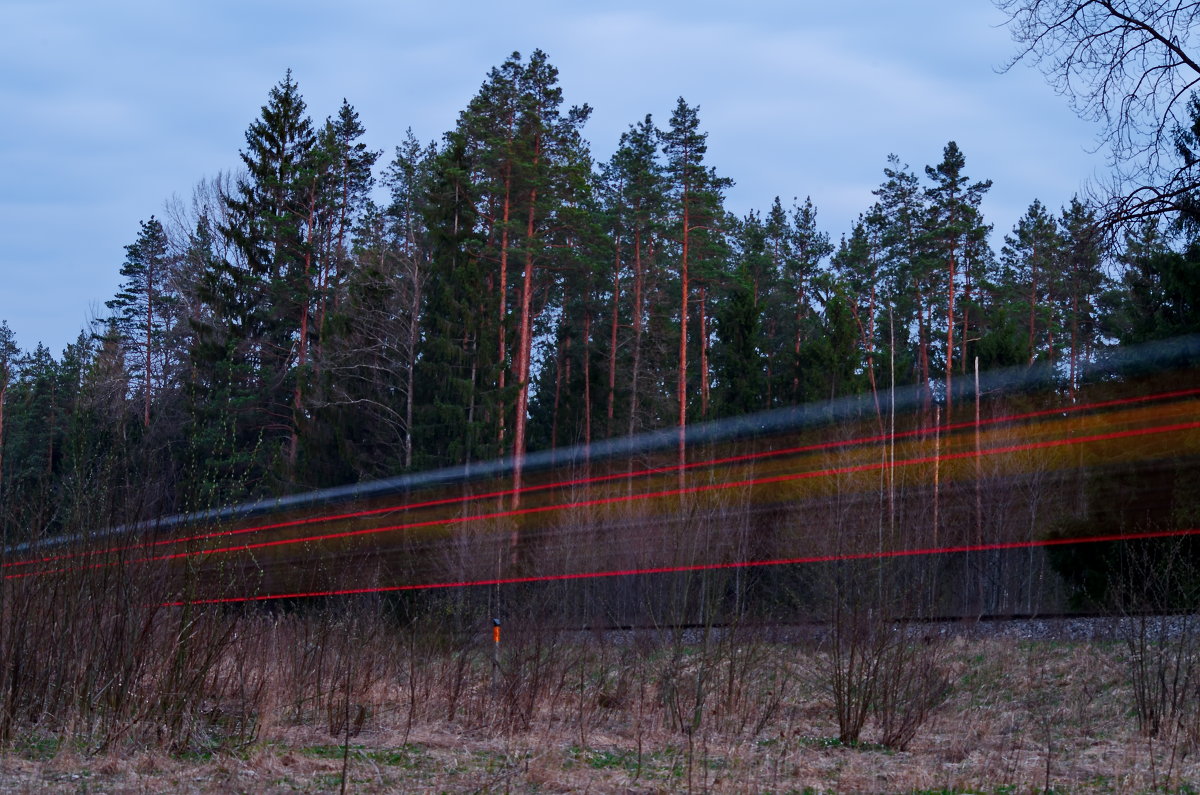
<point x="703" y="488"/>
<point x="740" y="564"/>
<point x="816" y="447"/>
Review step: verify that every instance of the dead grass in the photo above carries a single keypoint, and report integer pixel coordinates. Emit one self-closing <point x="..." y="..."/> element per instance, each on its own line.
<point x="578" y="714"/>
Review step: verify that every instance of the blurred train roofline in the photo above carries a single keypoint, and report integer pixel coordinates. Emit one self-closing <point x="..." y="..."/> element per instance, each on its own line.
<point x="1111" y="364"/>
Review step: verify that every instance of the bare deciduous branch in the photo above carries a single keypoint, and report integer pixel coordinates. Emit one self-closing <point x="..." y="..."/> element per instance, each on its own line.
<point x="1131" y="66"/>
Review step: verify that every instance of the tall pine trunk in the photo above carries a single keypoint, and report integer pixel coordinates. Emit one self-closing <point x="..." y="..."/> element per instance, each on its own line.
<point x="149" y="336"/>
<point x="950" y="338"/>
<point x="302" y="346"/>
<point x="558" y="379"/>
<point x="681" y="382"/>
<point x="704" y="352"/>
<point x="1074" y="338"/>
<point x="966" y="320"/>
<point x="639" y="284"/>
<point x="1032" y="306"/>
<point x="612" y="341"/>
<point x="410" y="371"/>
<point x="525" y="342"/>
<point x="923" y="356"/>
<point x="502" y="334"/>
<point x="3" y="394"/>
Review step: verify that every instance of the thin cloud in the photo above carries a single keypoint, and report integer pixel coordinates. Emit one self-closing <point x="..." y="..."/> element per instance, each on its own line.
<point x="114" y="107"/>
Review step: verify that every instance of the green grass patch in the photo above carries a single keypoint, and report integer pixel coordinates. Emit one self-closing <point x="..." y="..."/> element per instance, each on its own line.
<point x="665" y="764"/>
<point x="38" y="748"/>
<point x="406" y="756"/>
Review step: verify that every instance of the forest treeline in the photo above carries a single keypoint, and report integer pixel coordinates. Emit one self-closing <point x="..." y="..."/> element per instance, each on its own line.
<point x="325" y="315"/>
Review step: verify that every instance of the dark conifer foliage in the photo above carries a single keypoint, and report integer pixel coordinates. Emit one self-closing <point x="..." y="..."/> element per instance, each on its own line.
<point x="633" y="191"/>
<point x="495" y="292"/>
<point x="142" y="311"/>
<point x="697" y="226"/>
<point x="956" y="255"/>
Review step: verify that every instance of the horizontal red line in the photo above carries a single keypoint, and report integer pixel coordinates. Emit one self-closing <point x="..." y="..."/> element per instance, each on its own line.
<point x="703" y="488"/>
<point x="741" y="564"/>
<point x="602" y="478"/>
<point x="707" y="487"/>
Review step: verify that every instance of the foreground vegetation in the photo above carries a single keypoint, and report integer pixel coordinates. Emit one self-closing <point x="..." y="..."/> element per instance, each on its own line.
<point x="295" y="701"/>
<point x="284" y="332"/>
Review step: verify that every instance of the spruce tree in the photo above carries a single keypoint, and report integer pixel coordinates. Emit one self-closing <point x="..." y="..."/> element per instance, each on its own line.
<point x="739" y="364"/>
<point x="1083" y="281"/>
<point x="456" y="399"/>
<point x="1159" y="294"/>
<point x="1030" y="262"/>
<point x="271" y="224"/>
<point x="799" y="248"/>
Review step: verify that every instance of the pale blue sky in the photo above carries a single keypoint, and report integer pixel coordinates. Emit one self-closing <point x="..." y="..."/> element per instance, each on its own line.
<point x="112" y="107"/>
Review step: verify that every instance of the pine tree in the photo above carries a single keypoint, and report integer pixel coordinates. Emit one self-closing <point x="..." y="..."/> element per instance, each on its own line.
<point x="857" y="265"/>
<point x="956" y="238"/>
<point x="488" y="131"/>
<point x="635" y="203"/>
<point x="696" y="201"/>
<point x="907" y="277"/>
<point x="9" y="356"/>
<point x="408" y="180"/>
<point x="142" y="309"/>
<point x="526" y="160"/>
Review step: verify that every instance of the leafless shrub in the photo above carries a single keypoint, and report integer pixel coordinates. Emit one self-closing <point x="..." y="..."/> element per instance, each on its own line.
<point x="880" y="665"/>
<point x="1159" y="591"/>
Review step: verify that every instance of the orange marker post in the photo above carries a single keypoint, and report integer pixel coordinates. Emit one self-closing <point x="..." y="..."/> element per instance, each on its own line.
<point x="495" y="650"/>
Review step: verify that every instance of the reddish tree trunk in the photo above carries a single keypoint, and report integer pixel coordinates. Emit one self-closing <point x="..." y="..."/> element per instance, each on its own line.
<point x="966" y="315"/>
<point x="1032" y="306"/>
<point x="638" y="288"/>
<point x="1074" y="338"/>
<point x="503" y="343"/>
<point x="612" y="342"/>
<point x="587" y="380"/>
<point x="950" y="339"/>
<point x="923" y="356"/>
<point x="703" y="352"/>
<point x="3" y="392"/>
<point x="681" y="382"/>
<point x="524" y="344"/>
<point x="149" y="330"/>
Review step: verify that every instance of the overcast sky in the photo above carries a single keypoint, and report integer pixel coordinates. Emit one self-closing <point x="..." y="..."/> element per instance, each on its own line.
<point x="113" y="107"/>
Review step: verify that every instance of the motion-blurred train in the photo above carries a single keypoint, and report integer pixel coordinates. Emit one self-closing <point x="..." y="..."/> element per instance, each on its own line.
<point x="966" y="506"/>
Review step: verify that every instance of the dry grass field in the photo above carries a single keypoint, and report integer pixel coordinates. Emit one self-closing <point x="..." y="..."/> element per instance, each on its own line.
<point x="284" y="710"/>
